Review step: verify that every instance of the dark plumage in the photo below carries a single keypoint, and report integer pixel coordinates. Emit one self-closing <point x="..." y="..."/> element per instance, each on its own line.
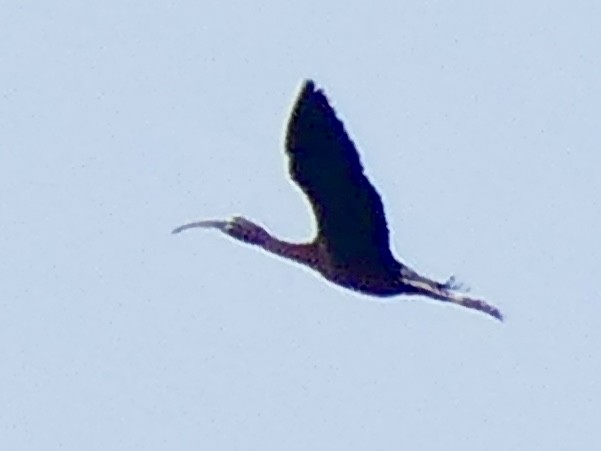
<point x="325" y="164"/>
<point x="352" y="243"/>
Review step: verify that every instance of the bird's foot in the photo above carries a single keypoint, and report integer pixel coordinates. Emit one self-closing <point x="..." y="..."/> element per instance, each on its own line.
<point x="453" y="284"/>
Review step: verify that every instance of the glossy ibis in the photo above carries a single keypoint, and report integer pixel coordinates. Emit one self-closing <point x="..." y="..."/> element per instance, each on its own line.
<point x="351" y="248"/>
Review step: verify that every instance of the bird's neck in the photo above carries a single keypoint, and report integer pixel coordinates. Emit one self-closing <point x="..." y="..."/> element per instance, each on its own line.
<point x="305" y="253"/>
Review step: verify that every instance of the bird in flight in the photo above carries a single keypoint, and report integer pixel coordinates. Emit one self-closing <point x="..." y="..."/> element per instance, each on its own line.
<point x="352" y="247"/>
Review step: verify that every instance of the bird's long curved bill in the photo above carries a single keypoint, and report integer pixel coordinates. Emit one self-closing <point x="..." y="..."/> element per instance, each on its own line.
<point x="209" y="224"/>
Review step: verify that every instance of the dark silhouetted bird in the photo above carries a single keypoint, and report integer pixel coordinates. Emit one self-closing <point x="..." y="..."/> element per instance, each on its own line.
<point x="351" y="248"/>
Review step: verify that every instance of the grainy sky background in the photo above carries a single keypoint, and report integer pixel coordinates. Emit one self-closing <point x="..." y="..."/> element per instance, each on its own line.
<point x="477" y="121"/>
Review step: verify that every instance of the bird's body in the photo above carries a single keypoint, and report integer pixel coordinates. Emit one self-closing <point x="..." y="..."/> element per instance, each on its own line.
<point x="352" y="246"/>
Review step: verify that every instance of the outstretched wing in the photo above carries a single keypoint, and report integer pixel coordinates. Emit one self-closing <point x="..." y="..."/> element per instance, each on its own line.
<point x="325" y="164"/>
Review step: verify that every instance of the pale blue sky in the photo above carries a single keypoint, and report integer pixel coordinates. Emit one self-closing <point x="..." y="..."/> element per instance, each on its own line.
<point x="477" y="121"/>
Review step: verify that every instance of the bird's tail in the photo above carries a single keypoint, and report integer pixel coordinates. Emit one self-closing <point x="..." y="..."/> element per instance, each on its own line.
<point x="444" y="293"/>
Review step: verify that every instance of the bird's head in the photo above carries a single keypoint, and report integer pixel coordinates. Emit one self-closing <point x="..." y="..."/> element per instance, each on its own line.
<point x="244" y="230"/>
<point x="239" y="228"/>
